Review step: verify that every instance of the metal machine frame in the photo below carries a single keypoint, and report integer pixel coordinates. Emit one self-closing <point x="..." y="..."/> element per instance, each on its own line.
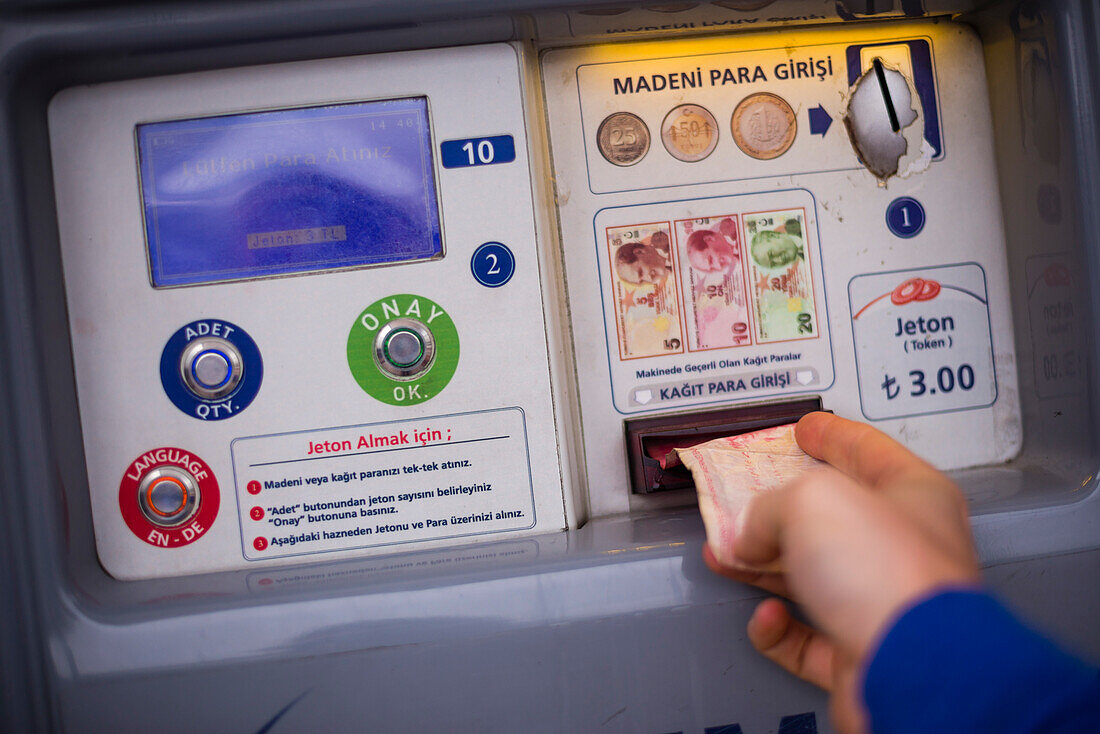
<point x="616" y="625"/>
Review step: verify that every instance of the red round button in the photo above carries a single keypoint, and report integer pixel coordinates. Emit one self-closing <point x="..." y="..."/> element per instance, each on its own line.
<point x="166" y="496"/>
<point x="161" y="502"/>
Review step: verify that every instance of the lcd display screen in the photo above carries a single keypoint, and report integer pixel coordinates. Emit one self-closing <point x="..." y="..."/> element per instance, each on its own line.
<point x="288" y="191"/>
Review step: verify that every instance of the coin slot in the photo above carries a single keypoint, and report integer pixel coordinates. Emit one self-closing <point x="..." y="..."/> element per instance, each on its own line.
<point x="649" y="440"/>
<point x="880" y="108"/>
<point x="880" y="74"/>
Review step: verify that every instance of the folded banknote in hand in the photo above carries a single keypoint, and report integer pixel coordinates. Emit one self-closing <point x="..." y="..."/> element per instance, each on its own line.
<point x="729" y="471"/>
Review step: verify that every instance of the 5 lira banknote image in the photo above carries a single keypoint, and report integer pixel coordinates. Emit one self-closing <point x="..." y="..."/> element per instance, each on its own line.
<point x="643" y="281"/>
<point x="779" y="275"/>
<point x="716" y="304"/>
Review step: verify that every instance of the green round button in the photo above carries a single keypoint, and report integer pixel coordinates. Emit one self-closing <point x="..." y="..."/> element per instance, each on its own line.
<point x="403" y="348"/>
<point x="379" y="384"/>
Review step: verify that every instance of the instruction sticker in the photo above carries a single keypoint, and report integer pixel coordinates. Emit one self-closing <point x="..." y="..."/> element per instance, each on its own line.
<point x="922" y="340"/>
<point x="382" y="484"/>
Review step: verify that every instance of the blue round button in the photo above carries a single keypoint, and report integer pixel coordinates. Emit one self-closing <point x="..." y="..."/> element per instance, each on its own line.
<point x="905" y="217"/>
<point x="493" y="264"/>
<point x="211" y="369"/>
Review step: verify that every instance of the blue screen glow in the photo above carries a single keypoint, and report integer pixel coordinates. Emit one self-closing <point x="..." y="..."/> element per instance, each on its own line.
<point x="288" y="191"/>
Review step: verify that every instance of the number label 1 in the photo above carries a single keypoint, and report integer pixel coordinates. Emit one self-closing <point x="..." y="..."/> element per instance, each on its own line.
<point x="905" y="217"/>
<point x="477" y="151"/>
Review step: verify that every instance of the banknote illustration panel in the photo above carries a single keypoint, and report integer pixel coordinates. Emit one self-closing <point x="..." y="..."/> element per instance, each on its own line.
<point x="644" y="290"/>
<point x="716" y="305"/>
<point x="780" y="281"/>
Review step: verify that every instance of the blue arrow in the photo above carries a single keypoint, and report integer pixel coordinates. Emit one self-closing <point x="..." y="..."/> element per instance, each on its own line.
<point x="819" y="121"/>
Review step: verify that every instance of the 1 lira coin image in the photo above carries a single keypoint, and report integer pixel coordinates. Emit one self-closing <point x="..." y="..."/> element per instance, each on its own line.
<point x="764" y="125"/>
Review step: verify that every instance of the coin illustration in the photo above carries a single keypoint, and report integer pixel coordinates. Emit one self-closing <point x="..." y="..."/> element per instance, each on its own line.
<point x="689" y="133"/>
<point x="764" y="125"/>
<point x="623" y="139"/>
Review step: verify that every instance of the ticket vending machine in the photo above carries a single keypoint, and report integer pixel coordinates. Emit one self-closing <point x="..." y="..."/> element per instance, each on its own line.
<point x="339" y="342"/>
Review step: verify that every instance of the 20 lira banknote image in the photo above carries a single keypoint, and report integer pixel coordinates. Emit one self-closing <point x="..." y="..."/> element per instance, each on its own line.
<point x="779" y="275"/>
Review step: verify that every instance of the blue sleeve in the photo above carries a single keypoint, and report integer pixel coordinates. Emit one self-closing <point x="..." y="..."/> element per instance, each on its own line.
<point x="961" y="662"/>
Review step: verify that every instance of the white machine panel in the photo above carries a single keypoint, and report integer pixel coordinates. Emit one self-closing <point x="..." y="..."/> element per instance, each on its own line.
<point x="232" y="417"/>
<point x="311" y="302"/>
<point x="760" y="217"/>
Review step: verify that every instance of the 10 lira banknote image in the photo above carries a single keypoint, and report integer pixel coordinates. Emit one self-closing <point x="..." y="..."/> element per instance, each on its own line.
<point x="717" y="308"/>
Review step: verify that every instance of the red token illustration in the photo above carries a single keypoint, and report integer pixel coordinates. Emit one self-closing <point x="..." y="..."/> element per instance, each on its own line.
<point x="169" y="497"/>
<point x="929" y="290"/>
<point x="907" y="291"/>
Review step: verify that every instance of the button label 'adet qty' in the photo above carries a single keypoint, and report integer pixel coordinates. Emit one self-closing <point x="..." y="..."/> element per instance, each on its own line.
<point x="211" y="369"/>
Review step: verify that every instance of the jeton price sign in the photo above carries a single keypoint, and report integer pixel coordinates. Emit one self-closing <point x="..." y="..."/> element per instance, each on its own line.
<point x="922" y="341"/>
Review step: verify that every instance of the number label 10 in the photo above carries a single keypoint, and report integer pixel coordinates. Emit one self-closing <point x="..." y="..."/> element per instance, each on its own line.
<point x="477" y="151"/>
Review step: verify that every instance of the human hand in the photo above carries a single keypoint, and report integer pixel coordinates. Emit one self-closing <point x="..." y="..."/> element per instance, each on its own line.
<point x="859" y="543"/>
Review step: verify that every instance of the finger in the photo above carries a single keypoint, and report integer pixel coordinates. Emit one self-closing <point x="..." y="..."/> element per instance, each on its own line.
<point x="864" y="453"/>
<point x="762" y="526"/>
<point x="873" y="458"/>
<point x="792" y="645"/>
<point x="776" y="583"/>
<point x="759" y="528"/>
